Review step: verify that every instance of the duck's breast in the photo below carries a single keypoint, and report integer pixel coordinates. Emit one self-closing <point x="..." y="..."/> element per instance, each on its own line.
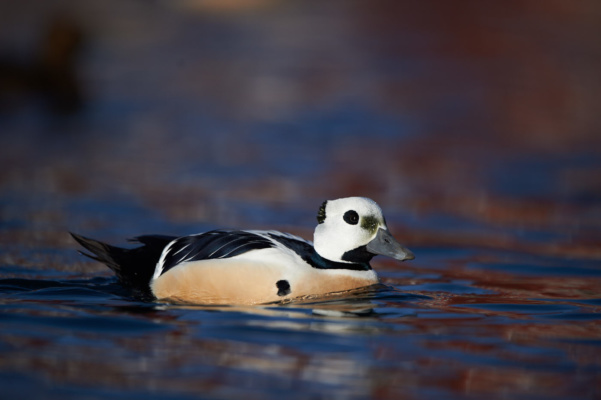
<point x="257" y="277"/>
<point x="252" y="278"/>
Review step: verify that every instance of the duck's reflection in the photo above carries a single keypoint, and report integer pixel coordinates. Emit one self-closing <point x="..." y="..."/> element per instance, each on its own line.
<point x="352" y="311"/>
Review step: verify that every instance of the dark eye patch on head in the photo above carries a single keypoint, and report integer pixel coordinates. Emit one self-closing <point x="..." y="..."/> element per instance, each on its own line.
<point x="370" y="223"/>
<point x="321" y="214"/>
<point x="351" y="217"/>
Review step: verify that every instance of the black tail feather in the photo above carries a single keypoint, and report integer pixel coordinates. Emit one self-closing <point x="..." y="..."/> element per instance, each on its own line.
<point x="134" y="267"/>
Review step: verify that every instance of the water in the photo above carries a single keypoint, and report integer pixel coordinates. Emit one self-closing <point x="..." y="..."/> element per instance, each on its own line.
<point x="475" y="128"/>
<point x="426" y="334"/>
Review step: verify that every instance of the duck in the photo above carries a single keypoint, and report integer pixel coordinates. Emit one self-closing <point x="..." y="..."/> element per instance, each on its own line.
<point x="252" y="267"/>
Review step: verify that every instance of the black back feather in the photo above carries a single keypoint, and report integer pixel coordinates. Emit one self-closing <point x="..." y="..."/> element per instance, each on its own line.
<point x="212" y="245"/>
<point x="134" y="267"/>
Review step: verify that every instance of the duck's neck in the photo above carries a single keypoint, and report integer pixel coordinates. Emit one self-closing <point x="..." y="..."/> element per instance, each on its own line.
<point x="359" y="255"/>
<point x="357" y="260"/>
<point x="317" y="261"/>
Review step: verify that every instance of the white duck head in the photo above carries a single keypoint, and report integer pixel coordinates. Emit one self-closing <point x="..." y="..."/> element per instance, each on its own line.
<point x="353" y="230"/>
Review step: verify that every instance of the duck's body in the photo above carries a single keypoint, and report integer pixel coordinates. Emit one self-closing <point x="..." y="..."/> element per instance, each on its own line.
<point x="279" y="271"/>
<point x="257" y="267"/>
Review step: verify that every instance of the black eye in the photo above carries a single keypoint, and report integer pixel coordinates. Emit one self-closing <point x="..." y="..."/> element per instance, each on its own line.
<point x="351" y="217"/>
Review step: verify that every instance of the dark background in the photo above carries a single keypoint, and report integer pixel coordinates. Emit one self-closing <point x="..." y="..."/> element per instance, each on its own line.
<point x="253" y="112"/>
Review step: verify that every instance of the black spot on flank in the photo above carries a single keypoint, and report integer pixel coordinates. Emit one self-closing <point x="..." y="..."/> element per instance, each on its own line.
<point x="321" y="214"/>
<point x="351" y="217"/>
<point x="283" y="288"/>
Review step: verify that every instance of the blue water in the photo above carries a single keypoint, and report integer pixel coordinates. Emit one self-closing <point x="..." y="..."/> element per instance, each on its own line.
<point x="80" y="336"/>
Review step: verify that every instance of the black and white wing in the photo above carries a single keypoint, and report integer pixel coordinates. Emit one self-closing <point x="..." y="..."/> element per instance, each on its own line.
<point x="210" y="245"/>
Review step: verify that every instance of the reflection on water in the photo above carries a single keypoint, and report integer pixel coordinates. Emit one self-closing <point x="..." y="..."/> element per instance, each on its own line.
<point x="474" y="126"/>
<point x="535" y="338"/>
